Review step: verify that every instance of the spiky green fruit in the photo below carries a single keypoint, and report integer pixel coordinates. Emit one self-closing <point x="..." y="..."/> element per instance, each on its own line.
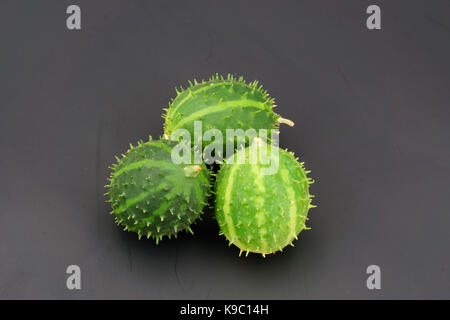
<point x="258" y="211"/>
<point x="153" y="196"/>
<point x="222" y="103"/>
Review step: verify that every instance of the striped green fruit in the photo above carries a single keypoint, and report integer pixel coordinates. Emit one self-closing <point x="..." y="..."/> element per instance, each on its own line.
<point x="153" y="196"/>
<point x="258" y="212"/>
<point x="222" y="103"/>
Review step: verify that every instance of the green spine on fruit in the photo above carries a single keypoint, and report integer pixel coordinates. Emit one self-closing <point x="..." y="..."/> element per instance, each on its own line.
<point x="154" y="197"/>
<point x="222" y="103"/>
<point x="258" y="212"/>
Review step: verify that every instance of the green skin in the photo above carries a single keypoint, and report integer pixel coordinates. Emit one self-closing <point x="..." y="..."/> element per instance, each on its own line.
<point x="153" y="196"/>
<point x="222" y="104"/>
<point x="262" y="213"/>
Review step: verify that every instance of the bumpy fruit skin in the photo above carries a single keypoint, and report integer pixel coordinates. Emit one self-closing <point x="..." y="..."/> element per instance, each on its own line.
<point x="262" y="213"/>
<point x="222" y="103"/>
<point x="153" y="196"/>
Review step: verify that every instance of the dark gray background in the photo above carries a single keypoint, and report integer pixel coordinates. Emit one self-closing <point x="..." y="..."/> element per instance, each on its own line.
<point x="372" y="123"/>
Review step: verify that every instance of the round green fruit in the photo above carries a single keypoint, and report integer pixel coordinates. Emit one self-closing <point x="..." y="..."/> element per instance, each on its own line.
<point x="153" y="196"/>
<point x="261" y="210"/>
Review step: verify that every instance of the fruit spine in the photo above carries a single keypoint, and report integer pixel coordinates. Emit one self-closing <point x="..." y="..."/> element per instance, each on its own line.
<point x="262" y="213"/>
<point x="153" y="196"/>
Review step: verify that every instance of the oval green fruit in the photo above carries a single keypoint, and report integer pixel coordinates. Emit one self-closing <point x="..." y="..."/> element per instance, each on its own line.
<point x="153" y="196"/>
<point x="260" y="212"/>
<point x="222" y="103"/>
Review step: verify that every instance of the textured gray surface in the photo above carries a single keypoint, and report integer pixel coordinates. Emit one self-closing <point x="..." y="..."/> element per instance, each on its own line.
<point x="372" y="123"/>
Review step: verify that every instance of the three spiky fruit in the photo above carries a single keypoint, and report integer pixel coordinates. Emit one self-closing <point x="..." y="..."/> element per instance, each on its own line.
<point x="153" y="196"/>
<point x="222" y="103"/>
<point x="260" y="208"/>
